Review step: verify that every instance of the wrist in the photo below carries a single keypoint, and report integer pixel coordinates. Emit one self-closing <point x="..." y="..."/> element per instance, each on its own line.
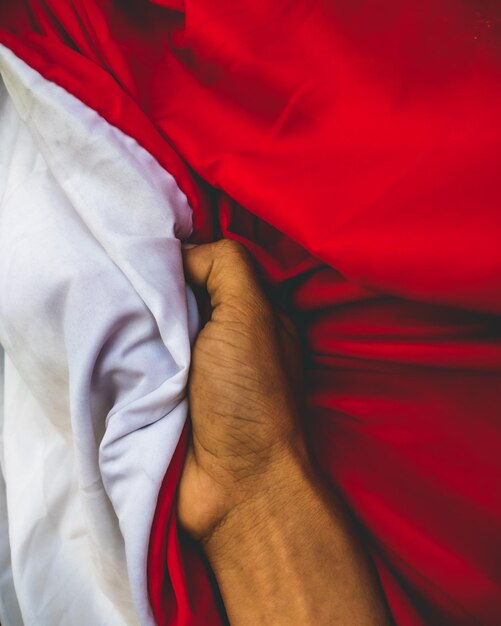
<point x="278" y="555"/>
<point x="260" y="505"/>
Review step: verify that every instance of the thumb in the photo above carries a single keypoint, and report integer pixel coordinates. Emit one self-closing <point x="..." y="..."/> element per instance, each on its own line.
<point x="223" y="268"/>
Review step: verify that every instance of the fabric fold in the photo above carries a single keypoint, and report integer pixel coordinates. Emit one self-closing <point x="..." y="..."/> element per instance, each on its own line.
<point x="96" y="319"/>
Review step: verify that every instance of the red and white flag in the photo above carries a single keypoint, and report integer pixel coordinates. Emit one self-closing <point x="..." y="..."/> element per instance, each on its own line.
<point x="355" y="150"/>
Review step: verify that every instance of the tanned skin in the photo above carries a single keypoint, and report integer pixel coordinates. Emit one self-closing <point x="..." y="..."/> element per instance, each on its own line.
<point x="282" y="548"/>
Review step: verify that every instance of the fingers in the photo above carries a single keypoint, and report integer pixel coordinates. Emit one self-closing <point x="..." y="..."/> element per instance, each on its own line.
<point x="224" y="269"/>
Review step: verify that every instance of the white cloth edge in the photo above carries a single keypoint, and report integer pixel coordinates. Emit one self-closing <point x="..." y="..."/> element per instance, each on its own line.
<point x="105" y="202"/>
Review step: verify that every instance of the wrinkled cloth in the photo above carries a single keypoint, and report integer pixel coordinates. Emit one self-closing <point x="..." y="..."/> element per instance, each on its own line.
<point x="95" y="320"/>
<point x="354" y="149"/>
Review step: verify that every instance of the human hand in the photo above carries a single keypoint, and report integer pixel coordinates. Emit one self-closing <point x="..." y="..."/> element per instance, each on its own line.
<point x="245" y="371"/>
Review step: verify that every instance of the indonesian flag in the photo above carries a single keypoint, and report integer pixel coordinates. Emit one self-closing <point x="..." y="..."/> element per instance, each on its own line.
<point x="354" y="148"/>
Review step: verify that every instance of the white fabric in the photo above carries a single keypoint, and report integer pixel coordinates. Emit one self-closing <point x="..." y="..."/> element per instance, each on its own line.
<point x="9" y="608"/>
<point x="96" y="322"/>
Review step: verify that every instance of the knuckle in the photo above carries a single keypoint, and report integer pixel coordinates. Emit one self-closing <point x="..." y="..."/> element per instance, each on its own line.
<point x="231" y="260"/>
<point x="233" y="270"/>
<point x="231" y="248"/>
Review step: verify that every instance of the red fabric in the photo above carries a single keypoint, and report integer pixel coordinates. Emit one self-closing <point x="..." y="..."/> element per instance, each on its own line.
<point x="354" y="148"/>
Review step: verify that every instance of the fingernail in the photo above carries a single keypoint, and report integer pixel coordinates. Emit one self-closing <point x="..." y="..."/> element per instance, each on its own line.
<point x="187" y="246"/>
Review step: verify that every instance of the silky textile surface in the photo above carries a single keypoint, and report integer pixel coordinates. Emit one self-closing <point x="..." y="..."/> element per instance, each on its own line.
<point x="94" y="318"/>
<point x="354" y="148"/>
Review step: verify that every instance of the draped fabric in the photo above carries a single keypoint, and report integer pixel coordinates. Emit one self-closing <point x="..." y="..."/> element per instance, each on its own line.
<point x="354" y="149"/>
<point x="95" y="321"/>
